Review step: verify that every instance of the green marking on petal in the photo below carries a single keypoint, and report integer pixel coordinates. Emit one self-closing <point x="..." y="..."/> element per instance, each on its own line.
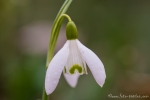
<point x="75" y="67"/>
<point x="84" y="70"/>
<point x="65" y="70"/>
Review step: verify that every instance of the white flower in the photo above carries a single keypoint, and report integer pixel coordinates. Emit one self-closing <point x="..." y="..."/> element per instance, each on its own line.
<point x="72" y="60"/>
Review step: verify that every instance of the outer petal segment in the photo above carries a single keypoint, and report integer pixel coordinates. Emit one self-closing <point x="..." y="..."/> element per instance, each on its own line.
<point x="72" y="80"/>
<point x="55" y="69"/>
<point x="94" y="63"/>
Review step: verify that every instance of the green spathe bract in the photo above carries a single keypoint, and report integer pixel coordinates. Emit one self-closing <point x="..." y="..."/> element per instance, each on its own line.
<point x="71" y="31"/>
<point x="75" y="67"/>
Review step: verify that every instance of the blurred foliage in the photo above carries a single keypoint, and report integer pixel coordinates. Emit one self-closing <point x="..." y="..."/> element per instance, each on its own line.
<point x="116" y="30"/>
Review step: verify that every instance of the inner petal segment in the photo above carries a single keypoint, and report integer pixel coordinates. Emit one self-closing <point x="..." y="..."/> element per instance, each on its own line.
<point x="75" y="63"/>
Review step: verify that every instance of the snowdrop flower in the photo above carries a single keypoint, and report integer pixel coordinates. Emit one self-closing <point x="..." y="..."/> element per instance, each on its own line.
<point x="72" y="60"/>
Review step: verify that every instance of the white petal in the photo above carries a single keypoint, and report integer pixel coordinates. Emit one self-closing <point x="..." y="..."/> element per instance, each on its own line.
<point x="94" y="63"/>
<point x="72" y="80"/>
<point x="55" y="69"/>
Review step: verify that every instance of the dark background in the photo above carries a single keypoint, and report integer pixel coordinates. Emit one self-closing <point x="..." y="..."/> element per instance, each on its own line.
<point x="118" y="31"/>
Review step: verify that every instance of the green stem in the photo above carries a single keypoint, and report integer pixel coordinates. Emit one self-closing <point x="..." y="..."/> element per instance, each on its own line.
<point x="55" y="30"/>
<point x="65" y="15"/>
<point x="54" y="36"/>
<point x="44" y="95"/>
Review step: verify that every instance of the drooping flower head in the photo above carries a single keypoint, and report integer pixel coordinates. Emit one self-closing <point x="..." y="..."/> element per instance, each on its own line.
<point x="72" y="59"/>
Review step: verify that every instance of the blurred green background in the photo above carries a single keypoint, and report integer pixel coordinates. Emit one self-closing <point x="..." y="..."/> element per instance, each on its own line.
<point x="118" y="31"/>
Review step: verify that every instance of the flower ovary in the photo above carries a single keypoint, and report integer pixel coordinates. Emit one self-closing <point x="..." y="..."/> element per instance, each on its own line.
<point x="71" y="31"/>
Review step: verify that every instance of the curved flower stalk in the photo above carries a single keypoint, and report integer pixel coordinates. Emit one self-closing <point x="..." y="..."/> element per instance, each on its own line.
<point x="72" y="60"/>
